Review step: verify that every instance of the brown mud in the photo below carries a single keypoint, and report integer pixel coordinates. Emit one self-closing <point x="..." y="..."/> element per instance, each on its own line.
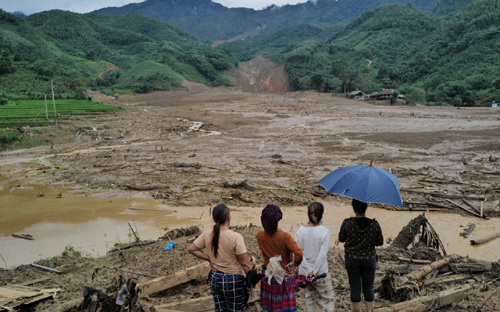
<point x="280" y="144"/>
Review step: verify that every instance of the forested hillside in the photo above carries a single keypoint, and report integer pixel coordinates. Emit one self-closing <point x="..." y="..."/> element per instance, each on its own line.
<point x="95" y="51"/>
<point x="429" y="57"/>
<point x="273" y="45"/>
<point x="209" y="21"/>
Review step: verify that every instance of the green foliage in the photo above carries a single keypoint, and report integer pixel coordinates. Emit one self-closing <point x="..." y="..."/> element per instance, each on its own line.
<point x="149" y="76"/>
<point x="394" y="97"/>
<point x="8" y="137"/>
<point x="72" y="252"/>
<point x="22" y="113"/>
<point x="75" y="51"/>
<point x="209" y="21"/>
<point x="280" y="42"/>
<point x="448" y="7"/>
<point x="415" y="96"/>
<point x="6" y="63"/>
<point x="435" y="60"/>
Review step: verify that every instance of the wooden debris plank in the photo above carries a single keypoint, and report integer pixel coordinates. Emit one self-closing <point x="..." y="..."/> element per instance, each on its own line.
<point x="463" y="208"/>
<point x="470" y="197"/>
<point x="431" y="302"/>
<point x="32" y="282"/>
<point x="471" y="267"/>
<point x="65" y="306"/>
<point x="45" y="268"/>
<point x="485" y="240"/>
<point x="13" y="296"/>
<point x="23" y="236"/>
<point x="490" y="172"/>
<point x="150" y="209"/>
<point x="425" y="270"/>
<point x="414" y="260"/>
<point x="202" y="304"/>
<point x="166" y="282"/>
<point x="446" y="279"/>
<point x="144" y="243"/>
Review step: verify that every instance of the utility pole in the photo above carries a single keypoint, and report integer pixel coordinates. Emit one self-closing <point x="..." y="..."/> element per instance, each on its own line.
<point x="53" y="101"/>
<point x="46" y="112"/>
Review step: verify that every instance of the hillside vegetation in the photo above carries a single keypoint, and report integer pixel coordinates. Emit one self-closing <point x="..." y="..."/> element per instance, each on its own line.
<point x="431" y="58"/>
<point x="131" y="52"/>
<point x="210" y="21"/>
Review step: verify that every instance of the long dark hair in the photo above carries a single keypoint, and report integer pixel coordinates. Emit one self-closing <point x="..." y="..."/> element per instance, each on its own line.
<point x="220" y="213"/>
<point x="315" y="209"/>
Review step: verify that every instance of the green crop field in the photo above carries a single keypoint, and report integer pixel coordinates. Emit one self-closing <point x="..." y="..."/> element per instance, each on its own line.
<point x="32" y="112"/>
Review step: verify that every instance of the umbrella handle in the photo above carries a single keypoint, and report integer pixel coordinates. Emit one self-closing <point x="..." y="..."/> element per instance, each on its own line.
<point x="343" y="193"/>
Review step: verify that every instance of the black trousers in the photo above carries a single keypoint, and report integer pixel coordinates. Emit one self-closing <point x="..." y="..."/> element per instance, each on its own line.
<point x="361" y="274"/>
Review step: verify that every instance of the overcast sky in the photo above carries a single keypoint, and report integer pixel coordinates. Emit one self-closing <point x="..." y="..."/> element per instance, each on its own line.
<point x="79" y="6"/>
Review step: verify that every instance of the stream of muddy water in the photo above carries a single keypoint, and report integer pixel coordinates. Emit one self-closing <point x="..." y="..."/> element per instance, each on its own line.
<point x="93" y="221"/>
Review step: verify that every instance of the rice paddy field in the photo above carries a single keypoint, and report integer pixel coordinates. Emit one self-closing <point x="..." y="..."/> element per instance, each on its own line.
<point x="32" y="112"/>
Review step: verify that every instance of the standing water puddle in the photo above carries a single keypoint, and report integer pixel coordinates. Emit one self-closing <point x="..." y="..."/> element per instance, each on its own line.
<point x="94" y="225"/>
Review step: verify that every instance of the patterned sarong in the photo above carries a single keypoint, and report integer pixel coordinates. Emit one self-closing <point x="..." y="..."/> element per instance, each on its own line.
<point x="278" y="298"/>
<point x="228" y="291"/>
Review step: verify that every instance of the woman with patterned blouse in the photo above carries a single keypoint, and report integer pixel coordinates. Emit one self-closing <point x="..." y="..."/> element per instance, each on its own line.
<point x="360" y="235"/>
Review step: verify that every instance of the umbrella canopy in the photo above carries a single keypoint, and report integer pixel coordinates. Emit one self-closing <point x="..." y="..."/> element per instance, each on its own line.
<point x="368" y="184"/>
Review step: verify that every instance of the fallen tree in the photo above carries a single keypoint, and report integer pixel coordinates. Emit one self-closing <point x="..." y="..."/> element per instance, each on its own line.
<point x="428" y="303"/>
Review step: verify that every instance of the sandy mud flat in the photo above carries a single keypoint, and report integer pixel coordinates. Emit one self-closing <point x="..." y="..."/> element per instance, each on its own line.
<point x="255" y="149"/>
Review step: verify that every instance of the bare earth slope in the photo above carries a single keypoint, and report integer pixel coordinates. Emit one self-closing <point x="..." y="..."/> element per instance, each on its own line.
<point x="261" y="75"/>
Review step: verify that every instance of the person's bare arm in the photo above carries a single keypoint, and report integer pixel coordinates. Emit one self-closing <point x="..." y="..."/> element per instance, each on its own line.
<point x="245" y="262"/>
<point x="198" y="253"/>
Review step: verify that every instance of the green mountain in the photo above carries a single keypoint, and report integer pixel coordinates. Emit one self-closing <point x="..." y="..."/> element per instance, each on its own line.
<point x="273" y="45"/>
<point x="448" y="7"/>
<point x="211" y="21"/>
<point x="431" y="58"/>
<point x="81" y="51"/>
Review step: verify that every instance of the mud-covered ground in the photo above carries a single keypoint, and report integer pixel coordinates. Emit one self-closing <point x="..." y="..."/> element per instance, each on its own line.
<point x="147" y="262"/>
<point x="275" y="147"/>
<point x="280" y="144"/>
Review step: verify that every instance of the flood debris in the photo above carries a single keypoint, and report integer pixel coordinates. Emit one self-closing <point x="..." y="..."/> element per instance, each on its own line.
<point x="468" y="230"/>
<point x="418" y="232"/>
<point x="24" y="236"/>
<point x="485" y="240"/>
<point x="13" y="297"/>
<point x="151" y="187"/>
<point x="128" y="246"/>
<point x="176" y="233"/>
<point x="151" y="209"/>
<point x="121" y="295"/>
<point x="433" y="301"/>
<point x="165" y="282"/>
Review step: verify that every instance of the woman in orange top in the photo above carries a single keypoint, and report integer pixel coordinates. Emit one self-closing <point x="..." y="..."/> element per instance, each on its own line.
<point x="276" y="297"/>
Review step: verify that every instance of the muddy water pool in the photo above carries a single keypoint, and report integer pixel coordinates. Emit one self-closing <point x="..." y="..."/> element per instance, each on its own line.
<point x="93" y="221"/>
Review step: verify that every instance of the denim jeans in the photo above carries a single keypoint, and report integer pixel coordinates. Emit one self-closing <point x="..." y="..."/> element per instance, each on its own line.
<point x="361" y="274"/>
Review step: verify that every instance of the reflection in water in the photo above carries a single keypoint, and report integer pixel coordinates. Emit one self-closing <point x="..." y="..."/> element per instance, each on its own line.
<point x="96" y="224"/>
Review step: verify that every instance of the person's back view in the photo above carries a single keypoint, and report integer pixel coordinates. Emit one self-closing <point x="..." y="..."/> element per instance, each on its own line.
<point x="227" y="254"/>
<point x="314" y="240"/>
<point x="360" y="235"/>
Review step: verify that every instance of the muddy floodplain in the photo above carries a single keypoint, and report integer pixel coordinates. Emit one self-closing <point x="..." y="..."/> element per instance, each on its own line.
<point x="180" y="153"/>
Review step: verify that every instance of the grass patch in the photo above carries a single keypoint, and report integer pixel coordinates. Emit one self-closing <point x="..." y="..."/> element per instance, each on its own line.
<point x="24" y="113"/>
<point x="190" y="73"/>
<point x="150" y="76"/>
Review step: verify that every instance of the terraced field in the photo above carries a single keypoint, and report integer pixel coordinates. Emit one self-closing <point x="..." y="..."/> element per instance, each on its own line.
<point x="33" y="113"/>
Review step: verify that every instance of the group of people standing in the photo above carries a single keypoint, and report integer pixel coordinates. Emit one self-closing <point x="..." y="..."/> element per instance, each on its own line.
<point x="226" y="252"/>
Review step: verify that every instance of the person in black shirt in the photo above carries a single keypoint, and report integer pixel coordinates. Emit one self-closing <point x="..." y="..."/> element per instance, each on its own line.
<point x="360" y="235"/>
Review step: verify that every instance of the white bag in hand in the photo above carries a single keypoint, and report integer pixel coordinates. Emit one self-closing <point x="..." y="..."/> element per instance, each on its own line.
<point x="275" y="270"/>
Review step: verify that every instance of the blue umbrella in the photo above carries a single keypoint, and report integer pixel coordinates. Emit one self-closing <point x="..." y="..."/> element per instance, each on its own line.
<point x="365" y="183"/>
